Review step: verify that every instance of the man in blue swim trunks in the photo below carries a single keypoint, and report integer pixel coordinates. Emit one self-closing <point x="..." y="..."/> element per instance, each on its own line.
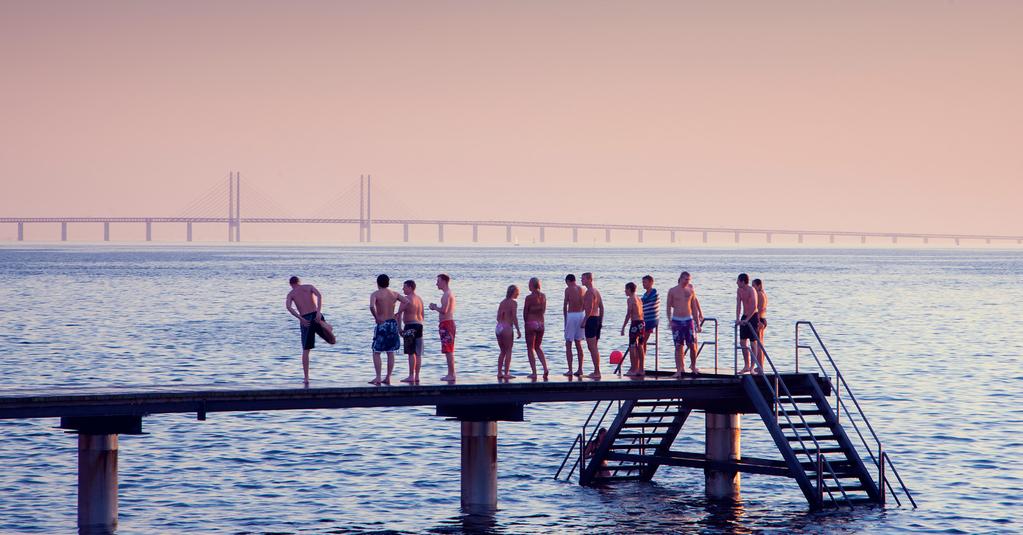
<point x="386" y="337"/>
<point x="684" y="310"/>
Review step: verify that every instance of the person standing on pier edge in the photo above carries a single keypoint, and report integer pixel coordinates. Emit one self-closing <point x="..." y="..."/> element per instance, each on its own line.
<point x="410" y="323"/>
<point x="634" y="314"/>
<point x="574" y="315"/>
<point x="386" y="337"/>
<point x="507" y="317"/>
<point x="446" y="323"/>
<point x="309" y="304"/>
<point x="761" y="317"/>
<point x="746" y="302"/>
<point x="534" y="307"/>
<point x="684" y="310"/>
<point x="593" y="307"/>
<point x="651" y="309"/>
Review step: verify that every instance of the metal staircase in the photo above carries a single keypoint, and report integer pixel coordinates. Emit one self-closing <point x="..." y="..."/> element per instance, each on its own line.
<point x="806" y="428"/>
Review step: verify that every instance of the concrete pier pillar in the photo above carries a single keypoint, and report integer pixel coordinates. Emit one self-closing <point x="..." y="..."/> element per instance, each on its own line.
<point x="475" y="233"/>
<point x="479" y="464"/>
<point x="21" y="231"/>
<point x="440" y="232"/>
<point x="188" y="231"/>
<point x="405" y="229"/>
<point x="723" y="444"/>
<point x="507" y="233"/>
<point x="149" y="231"/>
<point x="704" y="236"/>
<point x="639" y="235"/>
<point x="543" y="236"/>
<point x="575" y="235"/>
<point x="97" y="483"/>
<point x="673" y="236"/>
<point x="607" y="235"/>
<point x="63" y="231"/>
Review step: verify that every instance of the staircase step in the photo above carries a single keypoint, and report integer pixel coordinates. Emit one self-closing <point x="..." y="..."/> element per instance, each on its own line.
<point x="796" y="399"/>
<point x="839" y="474"/>
<point x="800" y="425"/>
<point x="658" y="403"/>
<point x="634" y="446"/>
<point x="806" y="438"/>
<point x="800" y="451"/>
<point x="632" y="425"/>
<point x="627" y="436"/>
<point x="624" y="467"/>
<point x="618" y="478"/>
<point x="805" y="412"/>
<point x="654" y="414"/>
<point x="836" y="465"/>
<point x="848" y="488"/>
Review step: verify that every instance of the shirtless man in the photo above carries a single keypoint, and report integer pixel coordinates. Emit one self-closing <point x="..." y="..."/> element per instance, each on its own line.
<point x="593" y="320"/>
<point x="446" y="323"/>
<point x="305" y="303"/>
<point x="385" y="334"/>
<point x="634" y="320"/>
<point x="748" y="322"/>
<point x="410" y="324"/>
<point x="573" y="312"/>
<point x="534" y="307"/>
<point x="683" y="309"/>
<point x="758" y="285"/>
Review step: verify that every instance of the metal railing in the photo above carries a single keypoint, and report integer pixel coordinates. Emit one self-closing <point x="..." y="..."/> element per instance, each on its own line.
<point x="856" y="411"/>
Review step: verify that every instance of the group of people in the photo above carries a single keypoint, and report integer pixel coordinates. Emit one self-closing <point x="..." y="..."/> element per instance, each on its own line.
<point x="399" y="321"/>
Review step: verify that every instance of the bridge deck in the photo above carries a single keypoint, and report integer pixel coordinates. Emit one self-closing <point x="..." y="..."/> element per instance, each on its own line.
<point x="718" y="393"/>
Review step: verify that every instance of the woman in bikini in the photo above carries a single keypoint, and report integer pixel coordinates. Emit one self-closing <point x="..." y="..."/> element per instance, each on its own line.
<point x="507" y="316"/>
<point x="533" y="310"/>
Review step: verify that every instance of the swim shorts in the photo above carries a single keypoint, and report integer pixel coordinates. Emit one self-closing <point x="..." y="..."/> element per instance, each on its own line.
<point x="413" y="335"/>
<point x="748" y="330"/>
<point x="574" y="326"/>
<point x="310" y="331"/>
<point x="636" y="331"/>
<point x="385" y="337"/>
<point x="682" y="332"/>
<point x="446" y="329"/>
<point x="593" y="325"/>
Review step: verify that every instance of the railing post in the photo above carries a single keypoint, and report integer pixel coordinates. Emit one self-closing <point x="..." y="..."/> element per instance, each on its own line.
<point x="838" y="397"/>
<point x="884" y="486"/>
<point x="715" y="347"/>
<point x="820" y="477"/>
<point x="797" y="347"/>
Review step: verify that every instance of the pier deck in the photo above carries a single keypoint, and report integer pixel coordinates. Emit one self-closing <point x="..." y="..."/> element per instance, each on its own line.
<point x="715" y="393"/>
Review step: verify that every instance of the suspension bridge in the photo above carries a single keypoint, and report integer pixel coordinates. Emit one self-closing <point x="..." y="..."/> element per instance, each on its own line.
<point x="222" y="205"/>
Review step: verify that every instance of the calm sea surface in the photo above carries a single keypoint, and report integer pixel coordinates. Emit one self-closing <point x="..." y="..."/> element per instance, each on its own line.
<point x="930" y="341"/>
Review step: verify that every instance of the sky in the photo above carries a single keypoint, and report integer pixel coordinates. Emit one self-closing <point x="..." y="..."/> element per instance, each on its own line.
<point x="875" y="116"/>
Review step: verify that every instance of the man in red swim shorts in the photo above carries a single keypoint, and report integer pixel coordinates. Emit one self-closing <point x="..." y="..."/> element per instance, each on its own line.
<point x="446" y="325"/>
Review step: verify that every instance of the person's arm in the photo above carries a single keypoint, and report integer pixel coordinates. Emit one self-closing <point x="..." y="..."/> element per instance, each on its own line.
<point x="738" y="306"/>
<point x="515" y="319"/>
<point x="628" y="316"/>
<point x="667" y="306"/>
<point x="372" y="306"/>
<point x="564" y="309"/>
<point x="697" y="313"/>
<point x="289" y="303"/>
<point x="400" y="313"/>
<point x="445" y="304"/>
<point x="600" y="306"/>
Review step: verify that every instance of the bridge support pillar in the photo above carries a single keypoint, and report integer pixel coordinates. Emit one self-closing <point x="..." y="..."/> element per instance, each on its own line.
<point x="800" y="238"/>
<point x="957" y="242"/>
<point x="926" y="240"/>
<point x="63" y="231"/>
<point x="188" y="231"/>
<point x="475" y="233"/>
<point x="479" y="465"/>
<point x="106" y="231"/>
<point x="607" y="235"/>
<point x="705" y="236"/>
<point x="723" y="444"/>
<point x="863" y="239"/>
<point x="673" y="236"/>
<point x="149" y="231"/>
<point x="769" y="236"/>
<point x="543" y="235"/>
<point x="895" y="239"/>
<point x="405" y="229"/>
<point x="987" y="241"/>
<point x="639" y="235"/>
<point x="21" y="231"/>
<point x="831" y="238"/>
<point x="440" y="232"/>
<point x="736" y="237"/>
<point x="575" y="234"/>
<point x="507" y="234"/>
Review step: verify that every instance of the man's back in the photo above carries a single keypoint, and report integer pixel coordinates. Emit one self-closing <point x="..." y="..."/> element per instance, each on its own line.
<point x="383" y="304"/>
<point x="413" y="311"/>
<point x="302" y="295"/>
<point x="574" y="298"/>
<point x="748" y="298"/>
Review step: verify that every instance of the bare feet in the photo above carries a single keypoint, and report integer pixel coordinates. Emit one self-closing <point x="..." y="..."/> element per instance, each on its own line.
<point x="387" y="380"/>
<point x="594" y="375"/>
<point x="676" y="375"/>
<point x="744" y="370"/>
<point x="578" y="373"/>
<point x="532" y="376"/>
<point x="568" y="373"/>
<point x="408" y="379"/>
<point x="695" y="370"/>
<point x="448" y="378"/>
<point x="375" y="382"/>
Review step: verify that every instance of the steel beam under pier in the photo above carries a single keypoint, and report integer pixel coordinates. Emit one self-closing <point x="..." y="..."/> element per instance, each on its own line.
<point x="723" y="444"/>
<point x="21" y="231"/>
<point x="63" y="231"/>
<point x="106" y="231"/>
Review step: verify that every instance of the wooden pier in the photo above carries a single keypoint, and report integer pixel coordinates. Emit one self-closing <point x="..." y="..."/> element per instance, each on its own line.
<point x="648" y="415"/>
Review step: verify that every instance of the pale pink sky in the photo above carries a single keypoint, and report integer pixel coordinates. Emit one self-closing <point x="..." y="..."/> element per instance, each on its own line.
<point x="897" y="116"/>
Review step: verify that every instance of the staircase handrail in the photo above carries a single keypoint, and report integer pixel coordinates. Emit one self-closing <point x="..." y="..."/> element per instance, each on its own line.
<point x="845" y="406"/>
